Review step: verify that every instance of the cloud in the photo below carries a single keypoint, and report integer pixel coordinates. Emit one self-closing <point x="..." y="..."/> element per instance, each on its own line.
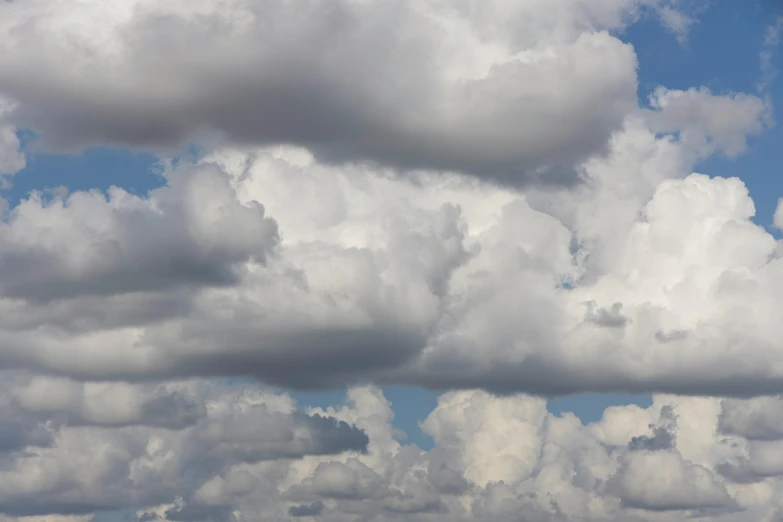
<point x="663" y="436"/>
<point x="265" y="263"/>
<point x="675" y="20"/>
<point x="106" y="404"/>
<point x="12" y="159"/>
<point x="494" y="458"/>
<point x="515" y="92"/>
<point x="191" y="232"/>
<point x="663" y="482"/>
<point x="771" y="40"/>
<point x="103" y="459"/>
<point x="708" y="122"/>
<point x="306" y="510"/>
<point x="273" y="263"/>
<point x="289" y="250"/>
<point x="517" y="459"/>
<point x="194" y="513"/>
<point x="757" y="419"/>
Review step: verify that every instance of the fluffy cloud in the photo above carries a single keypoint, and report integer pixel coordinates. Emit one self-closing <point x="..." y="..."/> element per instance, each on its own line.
<point x="549" y="236"/>
<point x="707" y="122"/>
<point x="193" y="231"/>
<point x="274" y="262"/>
<point x="266" y="263"/>
<point x="88" y="447"/>
<point x="515" y="91"/>
<point x="495" y="458"/>
<point x="663" y="482"/>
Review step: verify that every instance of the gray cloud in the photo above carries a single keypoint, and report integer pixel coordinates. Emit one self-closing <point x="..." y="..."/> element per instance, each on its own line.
<point x="663" y="437"/>
<point x="273" y="263"/>
<point x="411" y="86"/>
<point x="197" y="513"/>
<point x="306" y="510"/>
<point x="496" y="459"/>
<point x="192" y="232"/>
<point x="662" y="481"/>
<point x="759" y="419"/>
<point x="256" y="434"/>
<point x="101" y="440"/>
<point x="609" y="318"/>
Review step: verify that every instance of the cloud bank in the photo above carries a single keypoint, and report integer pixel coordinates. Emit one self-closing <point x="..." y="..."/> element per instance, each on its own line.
<point x="463" y="196"/>
<point x="268" y="264"/>
<point x="249" y="453"/>
<point x="511" y="91"/>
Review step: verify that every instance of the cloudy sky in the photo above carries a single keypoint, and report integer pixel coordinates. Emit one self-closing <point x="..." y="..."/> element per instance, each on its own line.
<point x="391" y="261"/>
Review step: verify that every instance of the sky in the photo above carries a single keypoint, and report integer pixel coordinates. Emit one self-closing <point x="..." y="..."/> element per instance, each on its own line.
<point x="381" y="260"/>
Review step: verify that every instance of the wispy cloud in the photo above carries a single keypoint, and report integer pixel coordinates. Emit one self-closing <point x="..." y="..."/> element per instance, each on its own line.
<point x="772" y="37"/>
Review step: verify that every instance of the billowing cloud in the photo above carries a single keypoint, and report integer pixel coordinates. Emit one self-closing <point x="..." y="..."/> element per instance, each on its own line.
<point x="268" y="264"/>
<point x="87" y="447"/>
<point x="247" y="453"/>
<point x="513" y="91"/>
<point x="311" y="264"/>
<point x="191" y="232"/>
<point x="512" y="459"/>
<point x="549" y="236"/>
<point x="663" y="482"/>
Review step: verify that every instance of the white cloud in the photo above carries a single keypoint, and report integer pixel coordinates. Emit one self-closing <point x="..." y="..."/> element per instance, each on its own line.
<point x="275" y="263"/>
<point x="515" y="91"/>
<point x="264" y="262"/>
<point x="250" y="453"/>
<point x="192" y="231"/>
<point x="675" y="19"/>
<point x="115" y="446"/>
<point x="293" y="251"/>
<point x="771" y="40"/>
<point x="706" y="122"/>
<point x="664" y="482"/>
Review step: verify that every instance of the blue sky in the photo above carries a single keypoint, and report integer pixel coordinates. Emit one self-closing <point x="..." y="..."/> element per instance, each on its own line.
<point x="721" y="51"/>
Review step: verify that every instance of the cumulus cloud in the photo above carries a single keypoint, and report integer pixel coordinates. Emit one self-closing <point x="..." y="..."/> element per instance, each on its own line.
<point x="274" y="262"/>
<point x="113" y="446"/>
<point x="251" y="453"/>
<point x="193" y="231"/>
<point x="549" y="237"/>
<point x="267" y="263"/>
<point x="513" y="91"/>
<point x="513" y="459"/>
<point x="707" y="122"/>
<point x="663" y="482"/>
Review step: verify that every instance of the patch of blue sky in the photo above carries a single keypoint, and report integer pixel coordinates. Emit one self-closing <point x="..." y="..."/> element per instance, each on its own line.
<point x="722" y="52"/>
<point x="93" y="169"/>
